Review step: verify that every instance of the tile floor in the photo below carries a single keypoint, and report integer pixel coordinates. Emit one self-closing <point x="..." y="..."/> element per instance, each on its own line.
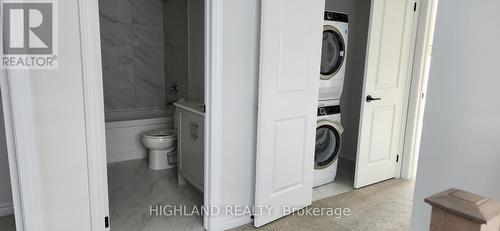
<point x="133" y="188"/>
<point x="344" y="182"/>
<point x="339" y="186"/>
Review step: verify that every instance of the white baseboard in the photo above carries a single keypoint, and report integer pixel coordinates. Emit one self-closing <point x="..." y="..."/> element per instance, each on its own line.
<point x="117" y="157"/>
<point x="6" y="209"/>
<point x="235" y="222"/>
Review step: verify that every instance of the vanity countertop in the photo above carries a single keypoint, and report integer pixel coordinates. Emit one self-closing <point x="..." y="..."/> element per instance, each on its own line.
<point x="192" y="106"/>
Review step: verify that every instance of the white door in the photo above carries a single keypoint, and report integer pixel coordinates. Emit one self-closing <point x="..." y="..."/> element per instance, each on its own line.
<point x="387" y="75"/>
<point x="290" y="56"/>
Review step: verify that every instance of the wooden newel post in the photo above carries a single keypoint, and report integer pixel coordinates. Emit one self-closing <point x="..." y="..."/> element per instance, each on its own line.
<point x="459" y="210"/>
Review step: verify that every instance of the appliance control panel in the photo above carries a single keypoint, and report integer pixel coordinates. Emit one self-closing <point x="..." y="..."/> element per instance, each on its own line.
<point x="334" y="16"/>
<point x="328" y="110"/>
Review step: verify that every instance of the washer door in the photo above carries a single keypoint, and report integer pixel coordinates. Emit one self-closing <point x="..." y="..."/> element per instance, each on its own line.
<point x="332" y="53"/>
<point x="328" y="142"/>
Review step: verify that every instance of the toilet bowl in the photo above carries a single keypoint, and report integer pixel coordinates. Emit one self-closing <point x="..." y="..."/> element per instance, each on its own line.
<point x="162" y="145"/>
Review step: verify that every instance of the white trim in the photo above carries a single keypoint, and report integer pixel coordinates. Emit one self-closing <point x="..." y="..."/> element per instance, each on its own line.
<point x="409" y="158"/>
<point x="94" y="112"/>
<point x="21" y="148"/>
<point x="213" y="114"/>
<point x="6" y="209"/>
<point x="410" y="64"/>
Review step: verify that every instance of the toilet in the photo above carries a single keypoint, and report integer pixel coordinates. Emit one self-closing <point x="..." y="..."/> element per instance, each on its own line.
<point x="162" y="145"/>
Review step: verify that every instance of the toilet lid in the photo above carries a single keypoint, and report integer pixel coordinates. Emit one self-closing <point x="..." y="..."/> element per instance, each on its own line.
<point x="160" y="134"/>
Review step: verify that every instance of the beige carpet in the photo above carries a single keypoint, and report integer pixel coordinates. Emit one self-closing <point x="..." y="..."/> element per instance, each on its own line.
<point x="383" y="206"/>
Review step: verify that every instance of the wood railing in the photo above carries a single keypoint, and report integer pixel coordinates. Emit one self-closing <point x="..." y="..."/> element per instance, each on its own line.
<point x="458" y="210"/>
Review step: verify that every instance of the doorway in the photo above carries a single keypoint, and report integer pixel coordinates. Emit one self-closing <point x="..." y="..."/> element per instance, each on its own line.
<point x="153" y="82"/>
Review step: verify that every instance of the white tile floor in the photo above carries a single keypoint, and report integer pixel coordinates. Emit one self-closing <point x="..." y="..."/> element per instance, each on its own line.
<point x="344" y="182"/>
<point x="133" y="188"/>
<point x="339" y="186"/>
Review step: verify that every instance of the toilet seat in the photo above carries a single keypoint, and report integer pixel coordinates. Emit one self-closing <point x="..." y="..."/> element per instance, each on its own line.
<point x="160" y="134"/>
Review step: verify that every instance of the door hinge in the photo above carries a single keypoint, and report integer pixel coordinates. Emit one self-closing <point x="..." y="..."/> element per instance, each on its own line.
<point x="397" y="158"/>
<point x="204" y="108"/>
<point x="106" y="222"/>
<point x="415" y="7"/>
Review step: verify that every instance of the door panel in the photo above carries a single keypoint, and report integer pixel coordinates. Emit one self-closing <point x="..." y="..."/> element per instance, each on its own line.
<point x="387" y="75"/>
<point x="288" y="158"/>
<point x="291" y="33"/>
<point x="381" y="133"/>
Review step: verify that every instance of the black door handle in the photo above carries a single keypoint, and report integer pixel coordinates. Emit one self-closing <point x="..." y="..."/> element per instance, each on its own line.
<point x="369" y="98"/>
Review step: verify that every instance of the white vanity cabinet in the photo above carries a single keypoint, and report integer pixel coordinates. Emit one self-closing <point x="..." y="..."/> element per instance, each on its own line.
<point x="190" y="123"/>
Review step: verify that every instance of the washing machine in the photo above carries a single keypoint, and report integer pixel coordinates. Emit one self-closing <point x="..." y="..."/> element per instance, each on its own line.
<point x="328" y="142"/>
<point x="333" y="55"/>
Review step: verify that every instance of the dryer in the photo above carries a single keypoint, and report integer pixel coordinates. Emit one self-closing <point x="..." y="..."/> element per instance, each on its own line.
<point x="333" y="55"/>
<point x="328" y="142"/>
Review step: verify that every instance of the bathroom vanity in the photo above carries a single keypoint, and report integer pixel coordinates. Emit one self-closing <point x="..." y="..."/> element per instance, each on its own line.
<point x="189" y="123"/>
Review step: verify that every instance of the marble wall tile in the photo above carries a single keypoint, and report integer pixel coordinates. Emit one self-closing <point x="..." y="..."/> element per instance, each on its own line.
<point x="135" y="73"/>
<point x="147" y="98"/>
<point x="150" y="88"/>
<point x="148" y="35"/>
<point x="122" y="99"/>
<point x="117" y="56"/>
<point x="153" y="79"/>
<point x="148" y="57"/>
<point x="196" y="50"/>
<point x="115" y="11"/>
<point x="116" y="34"/>
<point x="118" y="78"/>
<point x="148" y="12"/>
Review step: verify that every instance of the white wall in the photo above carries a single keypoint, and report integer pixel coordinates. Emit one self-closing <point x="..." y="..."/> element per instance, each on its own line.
<point x="5" y="190"/>
<point x="359" y="15"/>
<point x="241" y="36"/>
<point x="460" y="142"/>
<point x="60" y="131"/>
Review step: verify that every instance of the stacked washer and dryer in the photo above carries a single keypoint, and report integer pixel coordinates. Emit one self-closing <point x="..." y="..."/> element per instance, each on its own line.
<point x="329" y="128"/>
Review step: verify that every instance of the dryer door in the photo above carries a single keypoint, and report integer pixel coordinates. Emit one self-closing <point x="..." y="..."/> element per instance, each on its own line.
<point x="332" y="53"/>
<point x="328" y="143"/>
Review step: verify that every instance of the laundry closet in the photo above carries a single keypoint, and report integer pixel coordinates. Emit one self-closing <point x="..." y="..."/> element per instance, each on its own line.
<point x="345" y="34"/>
<point x="351" y="116"/>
